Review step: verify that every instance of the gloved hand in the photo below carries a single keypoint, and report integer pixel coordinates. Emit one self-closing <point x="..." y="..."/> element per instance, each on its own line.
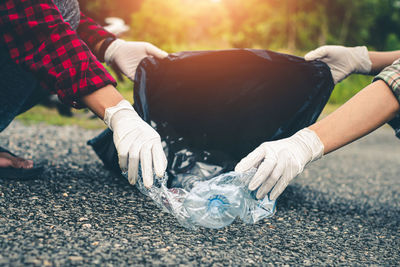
<point x="127" y="55"/>
<point x="280" y="161"/>
<point x="343" y="61"/>
<point x="135" y="141"/>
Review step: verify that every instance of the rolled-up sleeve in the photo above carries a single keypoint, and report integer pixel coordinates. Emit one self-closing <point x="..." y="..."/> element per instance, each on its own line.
<point x="391" y="76"/>
<point x="39" y="40"/>
<point x="92" y="33"/>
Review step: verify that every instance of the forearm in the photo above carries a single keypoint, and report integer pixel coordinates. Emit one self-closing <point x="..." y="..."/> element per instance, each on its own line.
<point x="96" y="49"/>
<point x="365" y="112"/>
<point x="101" y="99"/>
<point x="381" y="60"/>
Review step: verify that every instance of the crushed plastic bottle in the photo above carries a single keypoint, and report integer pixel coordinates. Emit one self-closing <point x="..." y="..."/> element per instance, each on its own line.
<point x="217" y="202"/>
<point x="212" y="203"/>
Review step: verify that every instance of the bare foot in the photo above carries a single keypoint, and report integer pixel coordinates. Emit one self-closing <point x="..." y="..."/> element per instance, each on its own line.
<point x="7" y="160"/>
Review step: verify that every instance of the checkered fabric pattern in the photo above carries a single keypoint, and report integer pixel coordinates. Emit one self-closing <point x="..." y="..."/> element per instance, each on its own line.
<point x="91" y="32"/>
<point x="39" y="40"/>
<point x="391" y="76"/>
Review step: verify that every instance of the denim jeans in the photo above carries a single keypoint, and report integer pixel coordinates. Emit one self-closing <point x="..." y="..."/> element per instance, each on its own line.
<point x="70" y="11"/>
<point x="19" y="89"/>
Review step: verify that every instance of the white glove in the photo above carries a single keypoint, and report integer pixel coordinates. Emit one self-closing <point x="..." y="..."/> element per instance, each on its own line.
<point x="278" y="162"/>
<point x="135" y="141"/>
<point x="127" y="55"/>
<point x="343" y="61"/>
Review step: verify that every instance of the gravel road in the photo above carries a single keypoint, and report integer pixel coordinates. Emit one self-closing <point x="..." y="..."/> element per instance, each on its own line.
<point x="344" y="209"/>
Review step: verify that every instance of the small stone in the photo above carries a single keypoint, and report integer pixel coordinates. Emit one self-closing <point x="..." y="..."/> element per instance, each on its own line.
<point x="76" y="258"/>
<point x="87" y="225"/>
<point x="33" y="261"/>
<point x="83" y="219"/>
<point x="65" y="194"/>
<point x="95" y="243"/>
<point x="250" y="261"/>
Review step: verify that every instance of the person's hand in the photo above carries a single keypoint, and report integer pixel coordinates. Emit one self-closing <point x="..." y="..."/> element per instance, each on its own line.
<point x="278" y="162"/>
<point x="135" y="141"/>
<point x="342" y="61"/>
<point x="127" y="55"/>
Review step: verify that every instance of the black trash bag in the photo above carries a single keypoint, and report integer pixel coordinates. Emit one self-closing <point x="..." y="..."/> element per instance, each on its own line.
<point x="214" y="107"/>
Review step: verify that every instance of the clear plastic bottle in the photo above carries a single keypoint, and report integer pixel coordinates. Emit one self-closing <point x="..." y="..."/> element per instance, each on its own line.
<point x="217" y="202"/>
<point x="212" y="203"/>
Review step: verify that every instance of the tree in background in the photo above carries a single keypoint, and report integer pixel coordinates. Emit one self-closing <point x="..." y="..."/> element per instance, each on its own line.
<point x="385" y="30"/>
<point x="291" y="25"/>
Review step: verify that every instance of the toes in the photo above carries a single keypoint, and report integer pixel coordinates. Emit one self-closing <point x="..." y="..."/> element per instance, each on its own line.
<point x="27" y="164"/>
<point x="22" y="163"/>
<point x="8" y="160"/>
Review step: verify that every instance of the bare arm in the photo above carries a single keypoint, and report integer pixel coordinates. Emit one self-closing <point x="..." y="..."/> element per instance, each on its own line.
<point x="280" y="161"/>
<point x="101" y="99"/>
<point x="381" y="60"/>
<point x="362" y="114"/>
<point x="373" y="106"/>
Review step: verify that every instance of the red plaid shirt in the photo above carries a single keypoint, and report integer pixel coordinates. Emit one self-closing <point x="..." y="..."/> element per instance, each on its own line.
<point x="39" y="40"/>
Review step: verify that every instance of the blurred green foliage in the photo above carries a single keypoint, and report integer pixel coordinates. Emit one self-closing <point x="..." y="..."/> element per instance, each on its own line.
<point x="349" y="87"/>
<point x="292" y="26"/>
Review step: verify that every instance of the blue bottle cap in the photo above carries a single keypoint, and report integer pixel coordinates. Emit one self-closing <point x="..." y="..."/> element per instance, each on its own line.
<point x="217" y="205"/>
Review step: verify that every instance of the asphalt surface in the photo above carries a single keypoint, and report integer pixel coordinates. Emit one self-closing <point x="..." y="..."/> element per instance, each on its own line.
<point x="344" y="209"/>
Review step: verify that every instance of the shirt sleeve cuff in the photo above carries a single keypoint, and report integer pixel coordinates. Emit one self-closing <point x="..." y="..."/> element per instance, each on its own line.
<point x="95" y="80"/>
<point x="391" y="76"/>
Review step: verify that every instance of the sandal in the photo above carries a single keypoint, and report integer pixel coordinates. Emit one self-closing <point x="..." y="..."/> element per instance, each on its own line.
<point x="19" y="173"/>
